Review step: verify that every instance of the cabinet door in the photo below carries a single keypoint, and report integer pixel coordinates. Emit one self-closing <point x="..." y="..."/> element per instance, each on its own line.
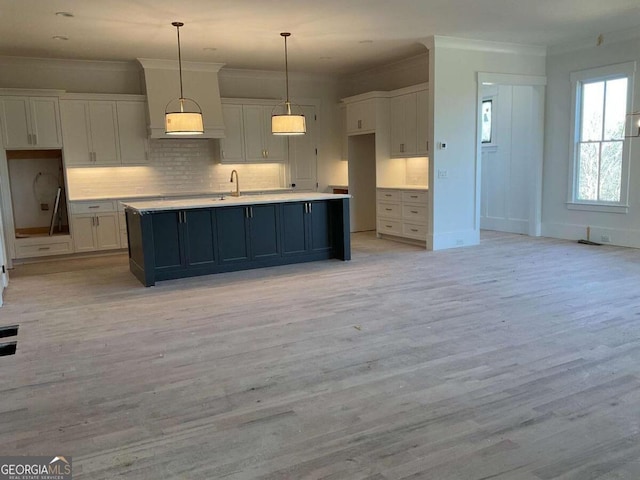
<point x="265" y="241"/>
<point x="403" y="125"/>
<point x="168" y="241"/>
<point x="320" y="226"/>
<point x="361" y="116"/>
<point x="302" y="154"/>
<point x="107" y="231"/>
<point x="16" y="129"/>
<point x="104" y="132"/>
<point x="45" y="122"/>
<point x="74" y="115"/>
<point x="253" y="116"/>
<point x="132" y="132"/>
<point x="232" y="231"/>
<point x="295" y="234"/>
<point x="199" y="237"/>
<point x="275" y="145"/>
<point x="422" y="123"/>
<point x="83" y="233"/>
<point x="232" y="146"/>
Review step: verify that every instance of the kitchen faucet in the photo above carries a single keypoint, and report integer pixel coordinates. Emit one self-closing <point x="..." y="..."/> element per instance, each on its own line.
<point x="237" y="192"/>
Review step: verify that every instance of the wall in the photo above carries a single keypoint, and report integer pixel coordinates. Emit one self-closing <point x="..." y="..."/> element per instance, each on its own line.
<point x="557" y="220"/>
<point x="404" y="73"/>
<point x="453" y="89"/>
<point x="126" y="77"/>
<point x="27" y="195"/>
<point x="175" y="166"/>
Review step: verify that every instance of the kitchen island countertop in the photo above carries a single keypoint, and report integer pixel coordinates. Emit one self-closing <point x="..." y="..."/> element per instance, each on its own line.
<point x="228" y="201"/>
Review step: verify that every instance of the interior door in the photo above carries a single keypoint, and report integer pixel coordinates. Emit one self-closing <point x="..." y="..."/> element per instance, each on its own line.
<point x="303" y="156"/>
<point x="505" y="190"/>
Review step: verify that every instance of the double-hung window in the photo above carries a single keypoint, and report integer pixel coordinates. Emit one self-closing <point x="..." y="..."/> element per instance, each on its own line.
<point x="602" y="99"/>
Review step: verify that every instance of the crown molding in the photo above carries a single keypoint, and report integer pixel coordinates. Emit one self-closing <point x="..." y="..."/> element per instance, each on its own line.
<point x="65" y="63"/>
<point x="152" y="63"/>
<point x="586" y="43"/>
<point x="485" y="46"/>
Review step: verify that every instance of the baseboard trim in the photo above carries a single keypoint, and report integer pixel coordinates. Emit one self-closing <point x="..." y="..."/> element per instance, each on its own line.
<point x="616" y="236"/>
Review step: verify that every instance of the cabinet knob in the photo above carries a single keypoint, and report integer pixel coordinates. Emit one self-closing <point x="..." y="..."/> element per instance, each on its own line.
<point x="359" y="123"/>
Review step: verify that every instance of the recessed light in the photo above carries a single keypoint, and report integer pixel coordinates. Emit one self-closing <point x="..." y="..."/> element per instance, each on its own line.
<point x="60" y="37"/>
<point x="64" y="14"/>
<point x="365" y="41"/>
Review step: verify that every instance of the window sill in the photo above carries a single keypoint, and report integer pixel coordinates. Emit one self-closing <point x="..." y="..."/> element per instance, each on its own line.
<point x="598" y="207"/>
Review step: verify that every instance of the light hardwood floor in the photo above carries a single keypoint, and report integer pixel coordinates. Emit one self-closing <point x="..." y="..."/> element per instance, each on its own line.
<point x="518" y="359"/>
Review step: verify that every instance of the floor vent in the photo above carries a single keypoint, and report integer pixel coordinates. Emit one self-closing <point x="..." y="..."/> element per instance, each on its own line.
<point x="8" y="348"/>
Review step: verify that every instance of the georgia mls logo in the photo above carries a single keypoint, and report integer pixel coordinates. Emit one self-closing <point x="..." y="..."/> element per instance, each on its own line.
<point x="35" y="468"/>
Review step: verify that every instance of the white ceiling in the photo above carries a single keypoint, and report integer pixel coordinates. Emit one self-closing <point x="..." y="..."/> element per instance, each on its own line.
<point x="327" y="34"/>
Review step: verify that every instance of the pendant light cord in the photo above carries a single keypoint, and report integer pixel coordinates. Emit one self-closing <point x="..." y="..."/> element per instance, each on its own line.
<point x="286" y="66"/>
<point x="178" y="25"/>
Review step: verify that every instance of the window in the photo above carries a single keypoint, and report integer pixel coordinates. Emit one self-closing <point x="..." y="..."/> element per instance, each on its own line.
<point x="487" y="106"/>
<point x="600" y="167"/>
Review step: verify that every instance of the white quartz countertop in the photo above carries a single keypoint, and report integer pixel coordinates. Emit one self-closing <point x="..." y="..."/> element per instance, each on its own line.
<point x="404" y="187"/>
<point x="228" y="201"/>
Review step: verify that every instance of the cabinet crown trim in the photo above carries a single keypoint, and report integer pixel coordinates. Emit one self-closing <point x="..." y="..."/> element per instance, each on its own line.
<point x="23" y="92"/>
<point x="410" y="89"/>
<point x="104" y="96"/>
<point x="365" y="96"/>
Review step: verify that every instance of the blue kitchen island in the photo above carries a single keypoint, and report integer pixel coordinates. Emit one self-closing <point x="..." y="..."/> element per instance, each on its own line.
<point x="171" y="239"/>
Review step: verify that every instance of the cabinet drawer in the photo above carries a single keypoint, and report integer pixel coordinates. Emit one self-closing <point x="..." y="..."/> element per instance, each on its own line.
<point x="389" y="195"/>
<point x="391" y="227"/>
<point x="416" y="213"/>
<point x="389" y="210"/>
<point x="414" y="231"/>
<point x="414" y="197"/>
<point x="93" y="207"/>
<point x="43" y="249"/>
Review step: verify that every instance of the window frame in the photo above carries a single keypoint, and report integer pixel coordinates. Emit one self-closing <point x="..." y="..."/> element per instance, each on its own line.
<point x="492" y="141"/>
<point x="578" y="79"/>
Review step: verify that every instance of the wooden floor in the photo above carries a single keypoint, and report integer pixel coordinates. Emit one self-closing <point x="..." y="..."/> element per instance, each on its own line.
<point x="517" y="359"/>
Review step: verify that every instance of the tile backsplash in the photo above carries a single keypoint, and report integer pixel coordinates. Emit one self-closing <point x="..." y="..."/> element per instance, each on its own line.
<point x="175" y="166"/>
<point x="418" y="171"/>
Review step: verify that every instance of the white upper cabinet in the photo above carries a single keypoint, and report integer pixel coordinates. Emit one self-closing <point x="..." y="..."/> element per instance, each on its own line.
<point x="409" y="123"/>
<point x="403" y="124"/>
<point x="104" y="132"/>
<point x="30" y="122"/>
<point x="260" y="144"/>
<point x="248" y="137"/>
<point x="361" y="117"/>
<point x="232" y="145"/>
<point x="90" y="132"/>
<point x="132" y="132"/>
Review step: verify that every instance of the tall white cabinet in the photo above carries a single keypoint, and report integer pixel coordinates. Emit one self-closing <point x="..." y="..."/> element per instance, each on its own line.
<point x="409" y="122"/>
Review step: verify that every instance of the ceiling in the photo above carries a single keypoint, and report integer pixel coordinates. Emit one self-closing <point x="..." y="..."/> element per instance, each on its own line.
<point x="328" y="36"/>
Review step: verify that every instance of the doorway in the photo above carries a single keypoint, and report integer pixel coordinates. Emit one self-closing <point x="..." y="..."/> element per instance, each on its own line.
<point x="511" y="138"/>
<point x="362" y="181"/>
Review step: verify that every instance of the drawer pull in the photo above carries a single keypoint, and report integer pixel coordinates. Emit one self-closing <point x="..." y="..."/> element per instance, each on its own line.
<point x="94" y="206"/>
<point x="414" y="196"/>
<point x="388" y="209"/>
<point x="388" y="226"/>
<point x="414" y="229"/>
<point x="44" y="248"/>
<point x="387" y="194"/>
<point x="413" y="211"/>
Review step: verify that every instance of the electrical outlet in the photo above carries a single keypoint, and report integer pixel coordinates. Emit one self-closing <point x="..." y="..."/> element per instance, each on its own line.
<point x="605" y="238"/>
<point x="443" y="145"/>
<point x="443" y="173"/>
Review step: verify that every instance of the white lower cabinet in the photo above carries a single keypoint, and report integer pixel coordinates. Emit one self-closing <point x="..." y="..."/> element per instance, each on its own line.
<point x="95" y="226"/>
<point x="402" y="213"/>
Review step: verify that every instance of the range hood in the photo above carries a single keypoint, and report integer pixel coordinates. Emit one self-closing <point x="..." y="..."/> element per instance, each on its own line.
<point x="200" y="83"/>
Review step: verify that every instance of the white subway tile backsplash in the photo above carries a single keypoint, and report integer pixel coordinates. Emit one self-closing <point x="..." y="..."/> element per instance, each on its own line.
<point x="175" y="166"/>
<point x="418" y="171"/>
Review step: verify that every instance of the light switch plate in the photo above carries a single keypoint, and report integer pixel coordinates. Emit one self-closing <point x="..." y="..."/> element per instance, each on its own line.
<point x="443" y="173"/>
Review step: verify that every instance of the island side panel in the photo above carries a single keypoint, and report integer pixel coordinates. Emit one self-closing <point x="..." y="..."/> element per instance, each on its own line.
<point x="341" y="229"/>
<point x="141" y="260"/>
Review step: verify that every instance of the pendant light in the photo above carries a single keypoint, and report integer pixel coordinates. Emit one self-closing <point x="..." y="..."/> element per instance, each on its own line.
<point x="287" y="123"/>
<point x="182" y="116"/>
